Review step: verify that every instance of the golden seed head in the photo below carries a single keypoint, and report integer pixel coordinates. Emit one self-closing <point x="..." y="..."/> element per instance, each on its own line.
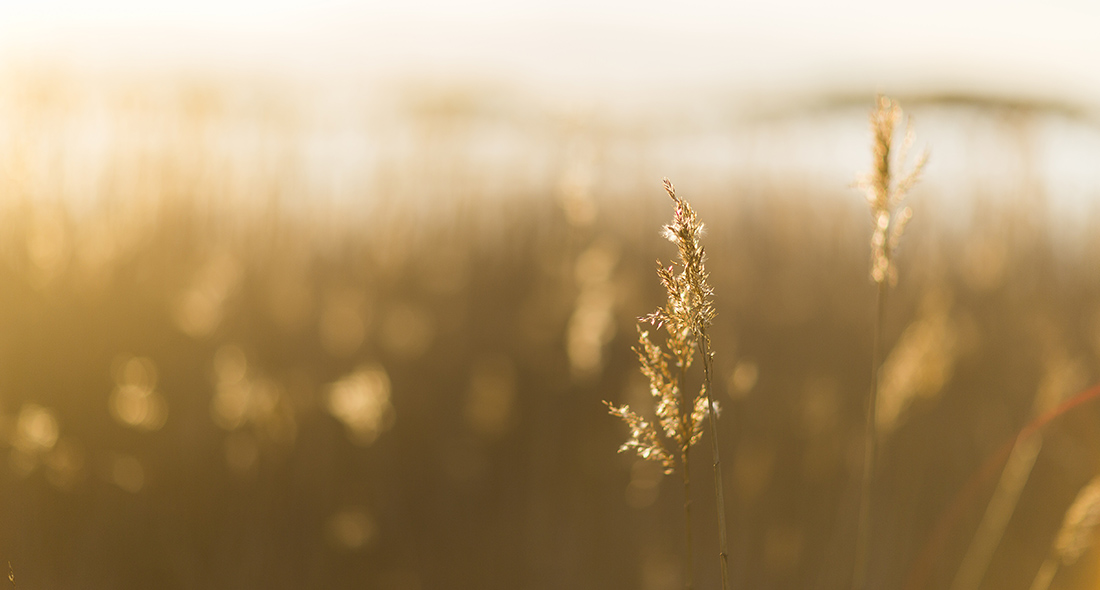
<point x="687" y="314"/>
<point x="885" y="190"/>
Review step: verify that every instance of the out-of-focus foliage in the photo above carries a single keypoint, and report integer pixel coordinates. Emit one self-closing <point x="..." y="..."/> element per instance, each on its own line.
<point x="242" y="347"/>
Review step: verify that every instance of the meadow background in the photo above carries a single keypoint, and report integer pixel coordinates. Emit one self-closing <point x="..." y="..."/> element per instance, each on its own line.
<point x="256" y="333"/>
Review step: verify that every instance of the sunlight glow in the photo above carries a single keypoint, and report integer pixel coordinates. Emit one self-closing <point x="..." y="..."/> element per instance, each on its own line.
<point x="36" y="429"/>
<point x="361" y="401"/>
<point x="135" y="402"/>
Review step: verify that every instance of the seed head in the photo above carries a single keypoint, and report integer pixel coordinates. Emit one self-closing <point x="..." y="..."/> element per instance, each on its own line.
<point x="886" y="189"/>
<point x="687" y="313"/>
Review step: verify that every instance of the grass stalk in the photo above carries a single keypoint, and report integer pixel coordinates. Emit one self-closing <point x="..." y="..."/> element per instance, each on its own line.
<point x="870" y="447"/>
<point x="885" y="191"/>
<point x="1045" y="574"/>
<point x="685" y="455"/>
<point x="690" y="582"/>
<point x="997" y="514"/>
<point x="719" y="496"/>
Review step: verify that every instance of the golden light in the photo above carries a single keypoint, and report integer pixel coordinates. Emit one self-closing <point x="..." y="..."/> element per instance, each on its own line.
<point x="491" y="398"/>
<point x="134" y="401"/>
<point x="126" y="472"/>
<point x="592" y="324"/>
<point x="352" y="528"/>
<point x="361" y="401"/>
<point x="743" y="379"/>
<point x="36" y="429"/>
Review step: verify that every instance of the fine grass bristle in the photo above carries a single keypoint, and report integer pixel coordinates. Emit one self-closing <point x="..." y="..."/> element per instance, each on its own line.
<point x="643" y="436"/>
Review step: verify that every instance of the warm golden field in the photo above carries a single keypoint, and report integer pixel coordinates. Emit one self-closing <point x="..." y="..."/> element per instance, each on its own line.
<point x="245" y="344"/>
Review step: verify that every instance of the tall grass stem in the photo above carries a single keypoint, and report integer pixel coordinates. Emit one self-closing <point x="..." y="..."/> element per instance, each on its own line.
<point x="997" y="513"/>
<point x="685" y="455"/>
<point x="719" y="496"/>
<point x="690" y="584"/>
<point x="870" y="448"/>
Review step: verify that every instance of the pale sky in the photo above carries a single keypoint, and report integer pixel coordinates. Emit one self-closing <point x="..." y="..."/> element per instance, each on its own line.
<point x="592" y="48"/>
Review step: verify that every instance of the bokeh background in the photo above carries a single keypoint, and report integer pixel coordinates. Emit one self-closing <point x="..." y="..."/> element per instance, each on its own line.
<point x="329" y="295"/>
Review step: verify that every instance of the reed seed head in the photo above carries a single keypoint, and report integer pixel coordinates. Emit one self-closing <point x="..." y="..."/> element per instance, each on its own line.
<point x="886" y="188"/>
<point x="688" y="312"/>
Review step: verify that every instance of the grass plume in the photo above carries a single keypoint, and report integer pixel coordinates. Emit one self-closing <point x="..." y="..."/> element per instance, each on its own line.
<point x="885" y="187"/>
<point x="685" y="317"/>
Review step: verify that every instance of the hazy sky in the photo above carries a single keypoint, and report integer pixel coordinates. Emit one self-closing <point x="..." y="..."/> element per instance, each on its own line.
<point x="593" y="48"/>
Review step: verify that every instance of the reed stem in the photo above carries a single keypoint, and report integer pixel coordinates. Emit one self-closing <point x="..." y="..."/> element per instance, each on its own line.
<point x="719" y="497"/>
<point x="870" y="449"/>
<point x="685" y="453"/>
<point x="1045" y="574"/>
<point x="1001" y="506"/>
<point x="687" y="520"/>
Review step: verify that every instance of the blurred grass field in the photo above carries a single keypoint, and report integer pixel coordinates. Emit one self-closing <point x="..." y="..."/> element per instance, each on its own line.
<point x="249" y="344"/>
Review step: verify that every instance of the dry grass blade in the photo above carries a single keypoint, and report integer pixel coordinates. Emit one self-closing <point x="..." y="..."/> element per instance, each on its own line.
<point x="1075" y="536"/>
<point x="998" y="513"/>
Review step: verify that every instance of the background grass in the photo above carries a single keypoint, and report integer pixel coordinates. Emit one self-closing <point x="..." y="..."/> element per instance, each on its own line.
<point x="491" y="261"/>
